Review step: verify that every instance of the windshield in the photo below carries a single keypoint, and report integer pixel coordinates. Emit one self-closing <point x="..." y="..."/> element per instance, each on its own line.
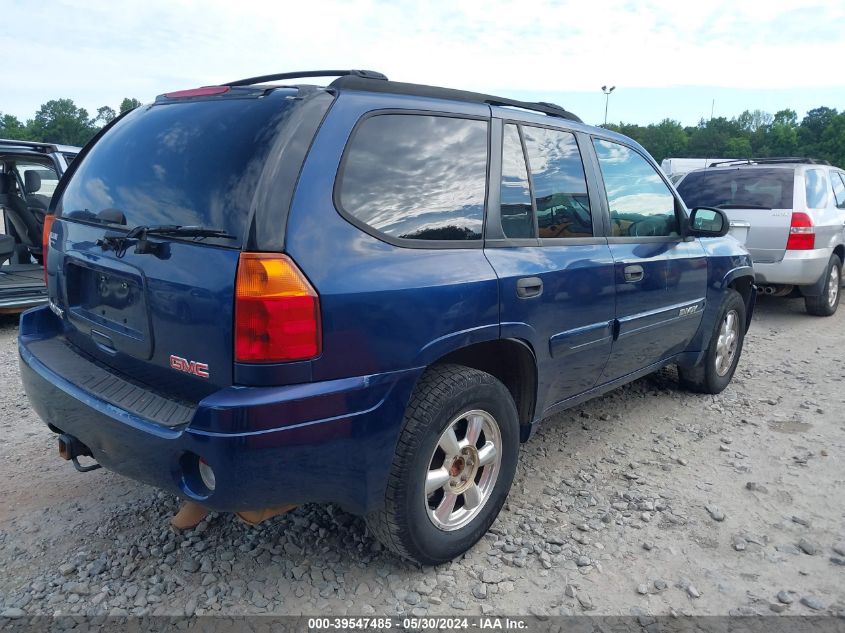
<point x="764" y="188"/>
<point x="194" y="163"/>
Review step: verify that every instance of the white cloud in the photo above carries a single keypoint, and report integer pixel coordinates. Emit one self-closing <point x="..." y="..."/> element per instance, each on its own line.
<point x="98" y="52"/>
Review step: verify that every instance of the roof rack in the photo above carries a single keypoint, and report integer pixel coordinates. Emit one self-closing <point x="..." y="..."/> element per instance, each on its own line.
<point x="773" y="160"/>
<point x="369" y="74"/>
<point x="360" y="82"/>
<point x="44" y="147"/>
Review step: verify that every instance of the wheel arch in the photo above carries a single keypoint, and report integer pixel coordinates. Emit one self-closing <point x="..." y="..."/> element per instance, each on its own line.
<point x="513" y="362"/>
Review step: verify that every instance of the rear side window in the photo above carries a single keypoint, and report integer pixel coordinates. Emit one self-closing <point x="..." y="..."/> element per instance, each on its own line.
<point x="560" y="186"/>
<point x="641" y="205"/>
<point x="417" y="177"/>
<point x="758" y="188"/>
<point x="838" y="188"/>
<point x="192" y="164"/>
<point x="815" y="188"/>
<point x="515" y="193"/>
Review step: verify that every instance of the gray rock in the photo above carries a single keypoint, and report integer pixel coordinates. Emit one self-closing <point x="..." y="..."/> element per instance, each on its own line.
<point x="808" y="547"/>
<point x="67" y="569"/>
<point x="492" y="576"/>
<point x="715" y="512"/>
<point x="480" y="591"/>
<point x="788" y="548"/>
<point x="813" y="603"/>
<point x="693" y="592"/>
<point x="755" y="487"/>
<point x="785" y="597"/>
<point x="837" y="561"/>
<point x="777" y="607"/>
<point x="660" y="584"/>
<point x="648" y="546"/>
<point x="740" y="544"/>
<point x="13" y="613"/>
<point x="190" y="565"/>
<point x="800" y="521"/>
<point x="583" y="561"/>
<point x="642" y="589"/>
<point x="570" y="591"/>
<point x="412" y="598"/>
<point x="586" y="602"/>
<point x="839" y="548"/>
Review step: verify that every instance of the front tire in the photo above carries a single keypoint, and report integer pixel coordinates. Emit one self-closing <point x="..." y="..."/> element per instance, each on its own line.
<point x="454" y="465"/>
<point x="716" y="369"/>
<point x="827" y="302"/>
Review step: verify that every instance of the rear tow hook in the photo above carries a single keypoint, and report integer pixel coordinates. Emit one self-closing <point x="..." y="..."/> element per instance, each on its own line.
<point x="71" y="449"/>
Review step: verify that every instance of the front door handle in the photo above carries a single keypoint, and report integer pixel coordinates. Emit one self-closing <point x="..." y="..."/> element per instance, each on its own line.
<point x="529" y="287"/>
<point x="634" y="273"/>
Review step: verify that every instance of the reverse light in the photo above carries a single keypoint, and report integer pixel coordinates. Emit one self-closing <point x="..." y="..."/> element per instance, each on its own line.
<point x="277" y="311"/>
<point x="802" y="234"/>
<point x="45" y="241"/>
<point x="206" y="474"/>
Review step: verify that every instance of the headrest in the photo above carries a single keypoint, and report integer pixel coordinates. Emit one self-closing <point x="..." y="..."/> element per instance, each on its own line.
<point x="32" y="181"/>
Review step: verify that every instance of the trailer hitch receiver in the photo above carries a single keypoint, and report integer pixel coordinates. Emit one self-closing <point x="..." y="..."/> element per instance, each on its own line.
<point x="71" y="449"/>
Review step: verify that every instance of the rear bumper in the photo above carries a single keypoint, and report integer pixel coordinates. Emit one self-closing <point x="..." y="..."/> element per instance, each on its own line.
<point x="799" y="268"/>
<point x="331" y="441"/>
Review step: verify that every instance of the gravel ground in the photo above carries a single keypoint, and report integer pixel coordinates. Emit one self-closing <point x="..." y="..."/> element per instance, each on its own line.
<point x="646" y="501"/>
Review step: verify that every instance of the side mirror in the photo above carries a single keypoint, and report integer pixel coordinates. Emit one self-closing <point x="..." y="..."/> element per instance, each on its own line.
<point x="708" y="222"/>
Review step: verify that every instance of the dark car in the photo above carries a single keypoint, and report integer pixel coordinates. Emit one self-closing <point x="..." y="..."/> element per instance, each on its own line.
<point x="29" y="174"/>
<point x="265" y="295"/>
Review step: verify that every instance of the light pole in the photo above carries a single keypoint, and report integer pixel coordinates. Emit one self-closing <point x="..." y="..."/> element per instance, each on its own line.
<point x="606" y="92"/>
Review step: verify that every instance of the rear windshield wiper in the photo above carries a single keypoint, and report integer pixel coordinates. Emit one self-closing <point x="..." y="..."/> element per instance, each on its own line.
<point x="119" y="243"/>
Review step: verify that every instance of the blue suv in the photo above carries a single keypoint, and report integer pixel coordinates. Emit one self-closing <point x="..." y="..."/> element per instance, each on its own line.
<point x="367" y="294"/>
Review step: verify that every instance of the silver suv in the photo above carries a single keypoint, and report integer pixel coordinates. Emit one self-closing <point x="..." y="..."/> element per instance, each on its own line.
<point x="790" y="214"/>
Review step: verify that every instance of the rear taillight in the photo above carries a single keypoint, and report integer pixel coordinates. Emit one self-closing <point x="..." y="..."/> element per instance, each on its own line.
<point x="802" y="235"/>
<point x="277" y="312"/>
<point x="45" y="241"/>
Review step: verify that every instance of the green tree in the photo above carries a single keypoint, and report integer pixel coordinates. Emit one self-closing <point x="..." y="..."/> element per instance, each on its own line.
<point x="12" y="128"/>
<point x="665" y="139"/>
<point x="104" y="115"/>
<point x="129" y="103"/>
<point x="60" y="121"/>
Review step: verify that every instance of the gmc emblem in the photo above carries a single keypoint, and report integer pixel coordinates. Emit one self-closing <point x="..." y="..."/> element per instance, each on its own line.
<point x="189" y="366"/>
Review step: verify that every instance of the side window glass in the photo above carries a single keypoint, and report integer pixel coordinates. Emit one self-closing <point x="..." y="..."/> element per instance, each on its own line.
<point x="641" y="205"/>
<point x="515" y="194"/>
<point x="560" y="186"/>
<point x="815" y="188"/>
<point x="417" y="177"/>
<point x="838" y="188"/>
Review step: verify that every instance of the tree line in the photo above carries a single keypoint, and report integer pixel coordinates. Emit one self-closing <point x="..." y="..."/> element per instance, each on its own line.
<point x="820" y="134"/>
<point x="61" y="121"/>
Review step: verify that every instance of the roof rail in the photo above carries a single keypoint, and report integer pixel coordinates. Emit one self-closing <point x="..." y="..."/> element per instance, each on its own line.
<point x="772" y="160"/>
<point x="369" y="74"/>
<point x="360" y="82"/>
<point x="47" y="147"/>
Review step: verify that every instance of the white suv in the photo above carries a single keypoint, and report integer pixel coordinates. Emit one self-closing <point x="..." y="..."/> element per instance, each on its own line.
<point x="790" y="214"/>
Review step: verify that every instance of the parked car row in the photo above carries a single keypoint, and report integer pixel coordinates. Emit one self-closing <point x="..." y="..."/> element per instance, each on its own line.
<point x="369" y="293"/>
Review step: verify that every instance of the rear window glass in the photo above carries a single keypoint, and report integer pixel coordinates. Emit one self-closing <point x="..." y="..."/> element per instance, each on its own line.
<point x="815" y="186"/>
<point x="191" y="164"/>
<point x="763" y="188"/>
<point x="417" y="177"/>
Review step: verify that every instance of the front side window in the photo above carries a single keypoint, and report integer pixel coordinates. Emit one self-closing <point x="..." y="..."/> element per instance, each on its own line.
<point x="560" y="186"/>
<point x="641" y="205"/>
<point x="417" y="177"/>
<point x="515" y="194"/>
<point x="815" y="187"/>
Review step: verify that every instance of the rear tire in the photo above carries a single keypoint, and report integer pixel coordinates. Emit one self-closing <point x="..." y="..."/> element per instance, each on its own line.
<point x="716" y="369"/>
<point x="827" y="302"/>
<point x="444" y="490"/>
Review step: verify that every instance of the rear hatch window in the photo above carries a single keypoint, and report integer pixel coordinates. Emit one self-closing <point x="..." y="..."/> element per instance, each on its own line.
<point x="745" y="188"/>
<point x="192" y="163"/>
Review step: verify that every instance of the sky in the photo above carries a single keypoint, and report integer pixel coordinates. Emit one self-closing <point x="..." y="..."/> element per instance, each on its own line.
<point x="676" y="59"/>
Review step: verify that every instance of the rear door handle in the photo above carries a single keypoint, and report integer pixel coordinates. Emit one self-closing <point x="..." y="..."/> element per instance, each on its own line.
<point x="529" y="287"/>
<point x="634" y="273"/>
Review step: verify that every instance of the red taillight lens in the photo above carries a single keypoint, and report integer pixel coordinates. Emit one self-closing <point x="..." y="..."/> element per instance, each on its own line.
<point x="45" y="241"/>
<point x="802" y="235"/>
<point x="277" y="312"/>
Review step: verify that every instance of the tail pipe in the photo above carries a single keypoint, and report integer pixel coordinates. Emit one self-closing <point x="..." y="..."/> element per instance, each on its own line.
<point x="71" y="449"/>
